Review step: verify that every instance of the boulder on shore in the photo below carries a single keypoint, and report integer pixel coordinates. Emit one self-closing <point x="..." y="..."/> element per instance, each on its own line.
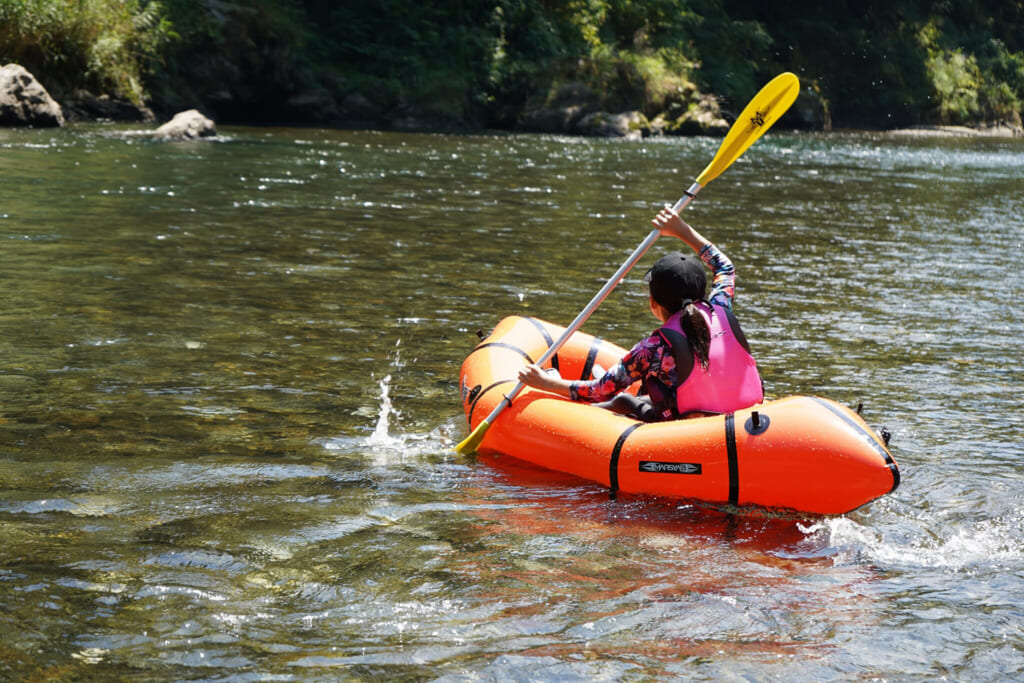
<point x="187" y="125"/>
<point x="702" y="116"/>
<point x="561" y="112"/>
<point x="811" y="110"/>
<point x="25" y="102"/>
<point x="628" y="124"/>
<point x="82" y="105"/>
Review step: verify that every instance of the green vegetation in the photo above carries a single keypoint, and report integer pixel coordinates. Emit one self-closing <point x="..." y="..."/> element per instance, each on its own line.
<point x="482" y="62"/>
<point x="105" y="45"/>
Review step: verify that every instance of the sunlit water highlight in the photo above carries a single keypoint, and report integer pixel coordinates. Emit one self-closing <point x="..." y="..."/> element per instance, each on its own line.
<point x="228" y="404"/>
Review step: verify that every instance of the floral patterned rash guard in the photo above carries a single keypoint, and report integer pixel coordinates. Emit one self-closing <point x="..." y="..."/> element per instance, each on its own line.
<point x="652" y="356"/>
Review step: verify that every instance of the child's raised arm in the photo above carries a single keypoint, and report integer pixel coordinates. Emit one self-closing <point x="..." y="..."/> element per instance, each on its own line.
<point x="669" y="222"/>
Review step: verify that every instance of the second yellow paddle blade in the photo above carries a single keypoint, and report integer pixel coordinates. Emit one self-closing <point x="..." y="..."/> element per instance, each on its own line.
<point x="765" y="109"/>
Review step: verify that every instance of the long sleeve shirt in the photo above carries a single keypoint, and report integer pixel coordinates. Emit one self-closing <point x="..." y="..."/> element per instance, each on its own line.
<point x="652" y="355"/>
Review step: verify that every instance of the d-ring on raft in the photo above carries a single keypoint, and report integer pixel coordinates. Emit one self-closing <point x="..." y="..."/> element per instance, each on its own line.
<point x="800" y="453"/>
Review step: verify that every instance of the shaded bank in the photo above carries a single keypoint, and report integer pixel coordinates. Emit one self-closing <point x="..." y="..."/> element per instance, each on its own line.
<point x="669" y="65"/>
<point x="504" y="63"/>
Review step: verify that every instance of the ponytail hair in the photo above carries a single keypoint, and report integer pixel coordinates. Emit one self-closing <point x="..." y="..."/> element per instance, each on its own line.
<point x="696" y="329"/>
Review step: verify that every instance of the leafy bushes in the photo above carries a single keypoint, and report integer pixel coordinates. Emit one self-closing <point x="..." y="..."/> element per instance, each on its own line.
<point x="877" y="63"/>
<point x="107" y="45"/>
<point x="984" y="84"/>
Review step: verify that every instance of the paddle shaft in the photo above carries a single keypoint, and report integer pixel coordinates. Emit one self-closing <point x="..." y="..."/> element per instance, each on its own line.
<point x="763" y="110"/>
<point x="598" y="299"/>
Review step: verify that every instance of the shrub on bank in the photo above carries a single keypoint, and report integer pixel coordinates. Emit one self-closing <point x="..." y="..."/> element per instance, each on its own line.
<point x="109" y="46"/>
<point x="492" y="62"/>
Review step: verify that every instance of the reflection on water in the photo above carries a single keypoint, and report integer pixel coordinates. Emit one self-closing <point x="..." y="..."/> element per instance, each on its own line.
<point x="228" y="402"/>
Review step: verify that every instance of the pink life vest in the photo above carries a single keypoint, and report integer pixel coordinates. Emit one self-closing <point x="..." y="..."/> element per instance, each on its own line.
<point x="731" y="381"/>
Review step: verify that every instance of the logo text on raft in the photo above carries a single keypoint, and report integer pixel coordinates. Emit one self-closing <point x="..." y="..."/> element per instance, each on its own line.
<point x="758" y="118"/>
<point x="670" y="467"/>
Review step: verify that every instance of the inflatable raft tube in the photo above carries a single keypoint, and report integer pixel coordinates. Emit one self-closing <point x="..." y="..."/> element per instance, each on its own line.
<point x="799" y="453"/>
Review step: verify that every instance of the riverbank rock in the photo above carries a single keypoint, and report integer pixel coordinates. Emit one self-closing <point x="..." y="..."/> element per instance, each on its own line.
<point x="25" y="102"/>
<point x="550" y="119"/>
<point x="629" y="124"/>
<point x="410" y="117"/>
<point x="85" y="106"/>
<point x="700" y="117"/>
<point x="187" y="125"/>
<point x="810" y="111"/>
<point x="355" y="106"/>
<point x="1002" y="130"/>
<point x="561" y="113"/>
<point x="313" y="105"/>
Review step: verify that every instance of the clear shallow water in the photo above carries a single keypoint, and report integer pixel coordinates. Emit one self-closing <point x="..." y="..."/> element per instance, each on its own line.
<point x="228" y="403"/>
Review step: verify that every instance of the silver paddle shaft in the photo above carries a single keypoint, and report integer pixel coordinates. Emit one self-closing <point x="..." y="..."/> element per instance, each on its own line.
<point x="598" y="299"/>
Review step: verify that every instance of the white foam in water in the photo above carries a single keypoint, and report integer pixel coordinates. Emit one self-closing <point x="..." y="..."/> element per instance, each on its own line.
<point x="380" y="436"/>
<point x="381" y="439"/>
<point x="970" y="545"/>
<point x="384" y="445"/>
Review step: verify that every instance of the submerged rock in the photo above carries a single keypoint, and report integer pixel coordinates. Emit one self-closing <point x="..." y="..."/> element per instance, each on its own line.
<point x="25" y="102"/>
<point x="187" y="125"/>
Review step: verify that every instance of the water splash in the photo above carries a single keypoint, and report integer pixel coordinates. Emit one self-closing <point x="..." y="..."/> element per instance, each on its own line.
<point x="380" y="437"/>
<point x="971" y="545"/>
<point x="385" y="446"/>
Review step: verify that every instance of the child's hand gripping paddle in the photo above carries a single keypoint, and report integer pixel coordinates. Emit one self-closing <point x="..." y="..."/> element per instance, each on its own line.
<point x="764" y="110"/>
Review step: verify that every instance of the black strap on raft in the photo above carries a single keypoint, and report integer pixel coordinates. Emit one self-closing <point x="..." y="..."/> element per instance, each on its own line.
<point x="733" y="456"/>
<point x="613" y="462"/>
<point x="869" y="438"/>
<point x="588" y="367"/>
<point x="547" y="338"/>
<point x="480" y="394"/>
<point x="503" y="345"/>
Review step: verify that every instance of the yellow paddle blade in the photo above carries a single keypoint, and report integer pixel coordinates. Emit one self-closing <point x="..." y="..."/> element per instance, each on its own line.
<point x="765" y="109"/>
<point x="472" y="442"/>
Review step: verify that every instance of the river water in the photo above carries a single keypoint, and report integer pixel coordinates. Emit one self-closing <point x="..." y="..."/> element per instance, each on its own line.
<point x="228" y="405"/>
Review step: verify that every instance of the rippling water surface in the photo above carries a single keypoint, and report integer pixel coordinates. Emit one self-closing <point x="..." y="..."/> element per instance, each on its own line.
<point x="228" y="405"/>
